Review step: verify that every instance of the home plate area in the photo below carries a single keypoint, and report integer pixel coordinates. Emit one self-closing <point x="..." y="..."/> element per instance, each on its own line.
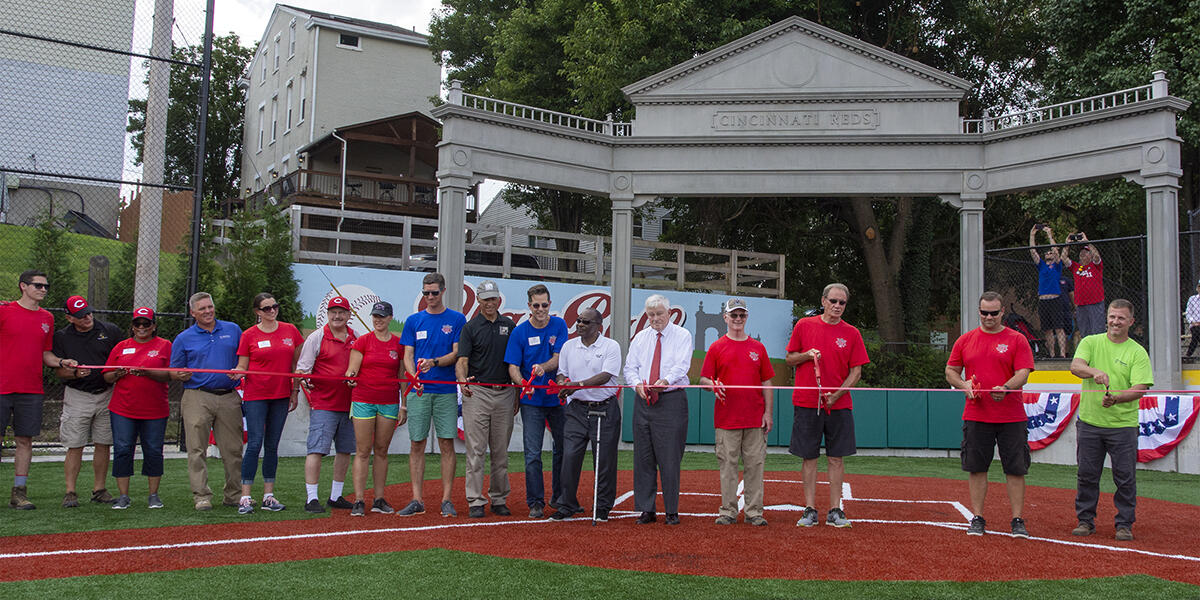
<point x="904" y="528"/>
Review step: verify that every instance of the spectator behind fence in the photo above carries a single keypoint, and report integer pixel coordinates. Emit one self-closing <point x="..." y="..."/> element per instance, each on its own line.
<point x="1088" y="275"/>
<point x="1052" y="311"/>
<point x="1192" y="316"/>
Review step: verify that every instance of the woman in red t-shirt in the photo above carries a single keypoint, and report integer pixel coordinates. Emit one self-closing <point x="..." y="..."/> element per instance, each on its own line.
<point x="138" y="408"/>
<point x="376" y="360"/>
<point x="271" y="346"/>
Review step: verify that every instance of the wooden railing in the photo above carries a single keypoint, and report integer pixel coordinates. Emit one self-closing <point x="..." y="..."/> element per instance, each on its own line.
<point x="387" y="191"/>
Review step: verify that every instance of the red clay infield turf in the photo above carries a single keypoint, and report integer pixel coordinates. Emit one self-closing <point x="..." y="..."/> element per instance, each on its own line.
<point x="905" y="529"/>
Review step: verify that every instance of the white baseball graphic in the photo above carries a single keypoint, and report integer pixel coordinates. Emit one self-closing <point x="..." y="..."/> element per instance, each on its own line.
<point x="361" y="300"/>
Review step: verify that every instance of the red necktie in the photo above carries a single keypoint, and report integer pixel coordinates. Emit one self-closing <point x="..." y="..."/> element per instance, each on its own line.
<point x="652" y="397"/>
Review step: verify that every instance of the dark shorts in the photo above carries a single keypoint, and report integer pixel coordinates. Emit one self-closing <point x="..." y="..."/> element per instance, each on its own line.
<point x="809" y="425"/>
<point x="24" y="411"/>
<point x="981" y="439"/>
<point x="1053" y="312"/>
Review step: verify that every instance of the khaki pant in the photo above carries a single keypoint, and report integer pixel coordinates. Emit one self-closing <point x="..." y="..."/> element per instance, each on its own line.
<point x="488" y="425"/>
<point x="84" y="413"/>
<point x="223" y="415"/>
<point x="751" y="446"/>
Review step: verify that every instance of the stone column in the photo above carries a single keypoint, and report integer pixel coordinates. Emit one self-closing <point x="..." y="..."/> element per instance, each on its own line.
<point x="1162" y="277"/>
<point x="970" y="259"/>
<point x="452" y="225"/>
<point x="622" y="270"/>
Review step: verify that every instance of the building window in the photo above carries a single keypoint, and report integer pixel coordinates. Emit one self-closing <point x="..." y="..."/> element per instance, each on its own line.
<point x="274" y="118"/>
<point x="303" y="97"/>
<point x="664" y="227"/>
<point x="264" y="68"/>
<point x="292" y="39"/>
<point x="261" y="123"/>
<point x="288" y="127"/>
<point x="637" y="227"/>
<point x="346" y="40"/>
<point x="275" y="47"/>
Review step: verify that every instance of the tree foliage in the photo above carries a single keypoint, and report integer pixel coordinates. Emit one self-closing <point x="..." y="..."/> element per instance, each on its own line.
<point x="258" y="258"/>
<point x="51" y="254"/>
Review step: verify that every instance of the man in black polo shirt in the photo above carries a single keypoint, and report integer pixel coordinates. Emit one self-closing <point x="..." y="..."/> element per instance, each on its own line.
<point x="487" y="409"/>
<point x="85" y="399"/>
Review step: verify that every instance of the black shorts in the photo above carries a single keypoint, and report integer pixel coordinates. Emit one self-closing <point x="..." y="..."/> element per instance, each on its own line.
<point x="24" y="411"/>
<point x="809" y="425"/>
<point x="1053" y="313"/>
<point x="981" y="439"/>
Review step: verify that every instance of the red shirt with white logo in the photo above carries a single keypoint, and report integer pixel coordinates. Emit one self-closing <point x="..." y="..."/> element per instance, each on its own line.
<point x="1089" y="283"/>
<point x="272" y="352"/>
<point x="381" y="361"/>
<point x="735" y="362"/>
<point x="139" y="396"/>
<point x="992" y="358"/>
<point x="841" y="347"/>
<point x="324" y="354"/>
<point x="24" y="335"/>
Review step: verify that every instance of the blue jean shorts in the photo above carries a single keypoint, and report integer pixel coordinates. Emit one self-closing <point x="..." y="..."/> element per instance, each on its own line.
<point x="327" y="427"/>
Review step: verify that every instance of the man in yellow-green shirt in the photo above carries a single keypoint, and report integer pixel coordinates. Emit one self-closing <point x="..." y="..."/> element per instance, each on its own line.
<point x="1116" y="373"/>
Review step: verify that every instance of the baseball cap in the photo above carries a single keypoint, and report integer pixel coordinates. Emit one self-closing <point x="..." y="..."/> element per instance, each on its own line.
<point x="381" y="309"/>
<point x="735" y="304"/>
<point x="77" y="306"/>
<point x="487" y="290"/>
<point x="338" y="302"/>
<point x="143" y="312"/>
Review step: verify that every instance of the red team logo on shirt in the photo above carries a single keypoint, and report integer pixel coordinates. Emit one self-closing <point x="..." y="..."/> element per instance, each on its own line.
<point x="392" y="354"/>
<point x="288" y="342"/>
<point x="1001" y="348"/>
<point x="152" y="353"/>
<point x="841" y="343"/>
<point x="45" y="328"/>
<point x="552" y="338"/>
<point x="754" y="356"/>
<point x="446" y="329"/>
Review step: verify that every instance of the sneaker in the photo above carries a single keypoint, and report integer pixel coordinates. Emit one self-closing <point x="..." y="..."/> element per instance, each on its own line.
<point x="359" y="509"/>
<point x="314" y="506"/>
<point x="501" y="510"/>
<point x="272" y="504"/>
<point x="381" y="506"/>
<point x="837" y="518"/>
<point x="71" y="500"/>
<point x="1084" y="528"/>
<point x="448" y="509"/>
<point x="204" y="504"/>
<point x="245" y="506"/>
<point x="725" y="520"/>
<point x="561" y="514"/>
<point x="602" y="516"/>
<point x="1124" y="534"/>
<point x="101" y="496"/>
<point x="19" y="500"/>
<point x="809" y="518"/>
<point x="672" y="519"/>
<point x="978" y="525"/>
<point x="122" y="503"/>
<point x="414" y="508"/>
<point x="757" y="521"/>
<point x="1018" y="528"/>
<point x="341" y="503"/>
<point x="536" y="512"/>
<point x="153" y="501"/>
<point x="475" y="512"/>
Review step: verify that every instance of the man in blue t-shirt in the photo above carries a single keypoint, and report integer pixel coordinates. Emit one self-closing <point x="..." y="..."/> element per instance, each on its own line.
<point x="533" y="350"/>
<point x="430" y="340"/>
<point x="208" y="399"/>
<point x="1053" y="310"/>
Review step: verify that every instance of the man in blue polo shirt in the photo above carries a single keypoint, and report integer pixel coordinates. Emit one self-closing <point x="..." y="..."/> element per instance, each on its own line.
<point x="533" y="350"/>
<point x="208" y="399"/>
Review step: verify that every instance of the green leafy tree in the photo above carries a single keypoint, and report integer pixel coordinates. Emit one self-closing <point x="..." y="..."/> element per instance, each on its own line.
<point x="51" y="254"/>
<point x="257" y="258"/>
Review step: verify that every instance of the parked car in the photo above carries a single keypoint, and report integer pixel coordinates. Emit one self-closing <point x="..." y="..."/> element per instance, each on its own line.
<point x="480" y="257"/>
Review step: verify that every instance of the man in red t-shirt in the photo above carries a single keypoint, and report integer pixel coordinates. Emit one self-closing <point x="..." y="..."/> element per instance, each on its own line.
<point x="828" y="353"/>
<point x="1090" y="312"/>
<point x="997" y="361"/>
<point x="27" y="336"/>
<point x="741" y="416"/>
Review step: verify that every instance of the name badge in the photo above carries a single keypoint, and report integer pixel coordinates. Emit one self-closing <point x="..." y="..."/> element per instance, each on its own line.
<point x="264" y="344"/>
<point x="535" y="340"/>
<point x="129" y="351"/>
<point x="422" y="335"/>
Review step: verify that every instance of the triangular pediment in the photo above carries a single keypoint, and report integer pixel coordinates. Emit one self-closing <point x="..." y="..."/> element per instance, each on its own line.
<point x="795" y="59"/>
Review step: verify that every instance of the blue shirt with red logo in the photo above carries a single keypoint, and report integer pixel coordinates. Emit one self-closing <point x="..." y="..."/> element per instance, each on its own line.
<point x="432" y="336"/>
<point x="528" y="346"/>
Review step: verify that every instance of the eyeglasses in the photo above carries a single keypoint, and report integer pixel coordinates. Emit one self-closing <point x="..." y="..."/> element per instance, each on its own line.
<point x="269" y="308"/>
<point x="431" y="292"/>
<point x="143" y="324"/>
<point x="539" y="305"/>
<point x="40" y="286"/>
<point x="989" y="313"/>
<point x="738" y="315"/>
<point x="583" y="322"/>
<point x="837" y="301"/>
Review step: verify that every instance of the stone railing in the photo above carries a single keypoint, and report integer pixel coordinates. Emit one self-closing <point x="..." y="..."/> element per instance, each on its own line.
<point x="1155" y="89"/>
<point x="533" y="113"/>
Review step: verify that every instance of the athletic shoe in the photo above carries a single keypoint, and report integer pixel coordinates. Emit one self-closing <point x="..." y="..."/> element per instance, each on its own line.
<point x="602" y="516"/>
<point x="725" y="520"/>
<point x="475" y="512"/>
<point x="1018" y="528"/>
<point x="756" y="521"/>
<point x="978" y="525"/>
<point x="561" y="514"/>
<point x="414" y="508"/>
<point x="809" y="518"/>
<point x="153" y="501"/>
<point x="71" y="500"/>
<point x="1124" y="534"/>
<point x="381" y="506"/>
<point x="101" y="496"/>
<point x="245" y="506"/>
<point x="122" y="502"/>
<point x="314" y="506"/>
<point x="536" y="512"/>
<point x="341" y="502"/>
<point x="204" y="504"/>
<point x="448" y="509"/>
<point x="1084" y="528"/>
<point x="272" y="504"/>
<point x="358" y="509"/>
<point x="672" y="519"/>
<point x="19" y="500"/>
<point x="646" y="517"/>
<point x="837" y="518"/>
<point x="501" y="510"/>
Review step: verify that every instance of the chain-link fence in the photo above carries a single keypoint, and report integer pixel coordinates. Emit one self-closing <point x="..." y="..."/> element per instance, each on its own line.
<point x="97" y="157"/>
<point x="1189" y="285"/>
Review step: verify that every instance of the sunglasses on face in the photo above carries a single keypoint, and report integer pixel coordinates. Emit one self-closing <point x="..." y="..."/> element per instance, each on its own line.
<point x="431" y="292"/>
<point x="738" y="315"/>
<point x="539" y="305"/>
<point x="40" y="286"/>
<point x="989" y="313"/>
<point x="269" y="307"/>
<point x="142" y="324"/>
<point x="583" y="322"/>
<point x="837" y="301"/>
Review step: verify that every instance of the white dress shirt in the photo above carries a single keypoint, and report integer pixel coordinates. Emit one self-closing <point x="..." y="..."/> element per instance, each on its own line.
<point x="676" y="359"/>
<point x="1193" y="310"/>
<point x="578" y="362"/>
